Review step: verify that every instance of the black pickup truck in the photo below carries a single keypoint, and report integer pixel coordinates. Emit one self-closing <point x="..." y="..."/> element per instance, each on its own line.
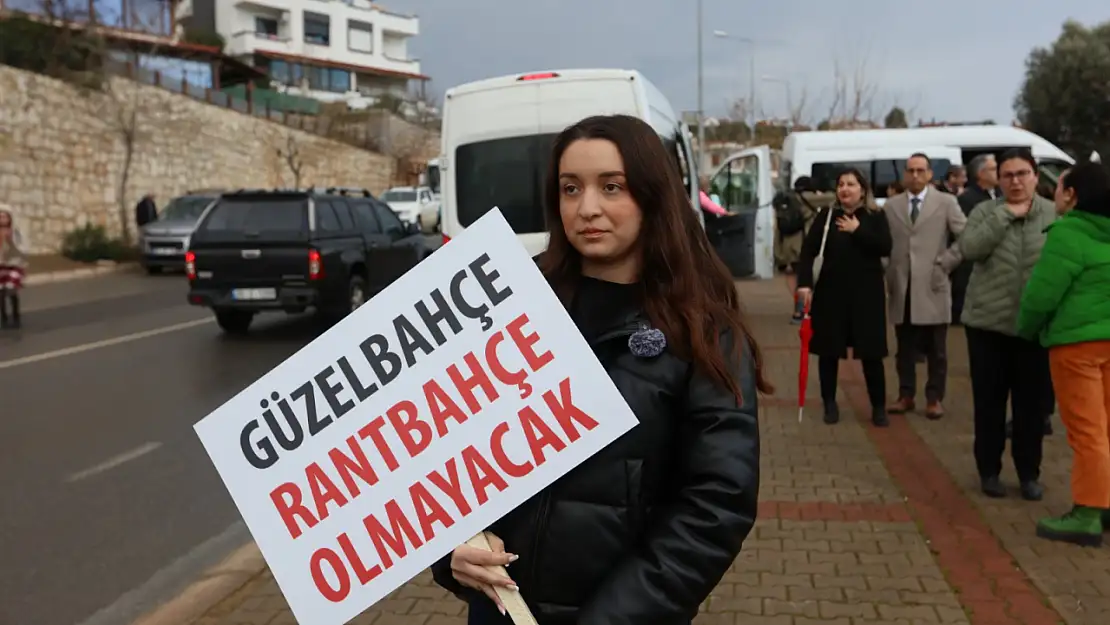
<point x="329" y="250"/>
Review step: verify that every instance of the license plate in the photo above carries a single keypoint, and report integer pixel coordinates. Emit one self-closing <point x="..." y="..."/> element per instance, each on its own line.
<point x="165" y="251"/>
<point x="253" y="294"/>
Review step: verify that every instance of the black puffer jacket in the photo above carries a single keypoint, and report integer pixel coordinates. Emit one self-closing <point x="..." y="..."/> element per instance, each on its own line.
<point x="641" y="533"/>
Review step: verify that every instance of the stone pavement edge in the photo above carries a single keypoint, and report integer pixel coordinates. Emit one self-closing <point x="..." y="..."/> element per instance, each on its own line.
<point x="857" y="525"/>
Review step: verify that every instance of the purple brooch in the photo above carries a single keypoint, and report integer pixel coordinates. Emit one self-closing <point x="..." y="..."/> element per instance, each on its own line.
<point x="647" y="343"/>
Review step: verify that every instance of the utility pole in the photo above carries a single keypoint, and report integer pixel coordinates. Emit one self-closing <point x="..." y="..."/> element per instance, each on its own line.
<point x="700" y="93"/>
<point x="751" y="87"/>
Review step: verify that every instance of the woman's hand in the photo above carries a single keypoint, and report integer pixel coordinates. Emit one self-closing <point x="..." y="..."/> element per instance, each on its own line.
<point x="806" y="295"/>
<point x="468" y="567"/>
<point x="847" y="223"/>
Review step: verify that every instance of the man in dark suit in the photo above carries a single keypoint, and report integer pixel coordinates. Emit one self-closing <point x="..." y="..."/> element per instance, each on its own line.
<point x="983" y="171"/>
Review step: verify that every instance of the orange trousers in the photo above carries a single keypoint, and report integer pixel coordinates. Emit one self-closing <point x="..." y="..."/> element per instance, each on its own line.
<point x="1081" y="378"/>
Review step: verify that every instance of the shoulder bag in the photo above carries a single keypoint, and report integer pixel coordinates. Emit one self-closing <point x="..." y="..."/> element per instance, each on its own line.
<point x="819" y="260"/>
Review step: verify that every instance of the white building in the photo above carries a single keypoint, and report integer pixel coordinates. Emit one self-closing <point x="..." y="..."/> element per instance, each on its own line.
<point x="331" y="50"/>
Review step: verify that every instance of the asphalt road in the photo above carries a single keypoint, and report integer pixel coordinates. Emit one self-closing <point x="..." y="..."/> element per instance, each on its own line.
<point x="108" y="503"/>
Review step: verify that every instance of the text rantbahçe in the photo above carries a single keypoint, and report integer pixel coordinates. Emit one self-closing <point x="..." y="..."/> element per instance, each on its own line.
<point x="391" y="540"/>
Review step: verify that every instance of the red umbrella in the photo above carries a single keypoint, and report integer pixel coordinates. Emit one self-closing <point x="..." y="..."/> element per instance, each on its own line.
<point x="805" y="333"/>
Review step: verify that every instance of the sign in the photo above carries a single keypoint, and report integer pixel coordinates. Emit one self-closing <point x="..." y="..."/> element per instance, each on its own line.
<point x="446" y="401"/>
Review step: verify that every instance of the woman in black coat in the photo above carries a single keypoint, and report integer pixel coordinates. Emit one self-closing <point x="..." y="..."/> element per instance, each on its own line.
<point x="848" y="302"/>
<point x="642" y="532"/>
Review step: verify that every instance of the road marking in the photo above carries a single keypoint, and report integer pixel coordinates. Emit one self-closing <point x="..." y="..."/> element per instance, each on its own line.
<point x="114" y="461"/>
<point x="119" y="340"/>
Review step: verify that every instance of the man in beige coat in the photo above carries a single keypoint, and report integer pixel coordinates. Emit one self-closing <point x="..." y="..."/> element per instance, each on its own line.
<point x="919" y="291"/>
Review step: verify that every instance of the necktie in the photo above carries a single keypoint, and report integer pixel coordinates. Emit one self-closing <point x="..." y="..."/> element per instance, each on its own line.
<point x="915" y="210"/>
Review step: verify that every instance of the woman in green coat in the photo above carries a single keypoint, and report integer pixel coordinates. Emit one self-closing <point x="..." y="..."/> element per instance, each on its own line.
<point x="1066" y="305"/>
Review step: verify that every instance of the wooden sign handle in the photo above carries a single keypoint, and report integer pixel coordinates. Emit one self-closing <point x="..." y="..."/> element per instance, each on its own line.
<point x="511" y="599"/>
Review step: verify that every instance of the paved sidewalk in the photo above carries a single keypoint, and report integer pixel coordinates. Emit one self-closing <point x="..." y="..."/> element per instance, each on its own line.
<point x="857" y="525"/>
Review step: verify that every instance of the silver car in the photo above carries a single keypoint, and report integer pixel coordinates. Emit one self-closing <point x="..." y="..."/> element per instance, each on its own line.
<point x="164" y="241"/>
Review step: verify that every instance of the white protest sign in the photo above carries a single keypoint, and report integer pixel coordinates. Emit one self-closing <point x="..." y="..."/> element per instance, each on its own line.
<point x="446" y="401"/>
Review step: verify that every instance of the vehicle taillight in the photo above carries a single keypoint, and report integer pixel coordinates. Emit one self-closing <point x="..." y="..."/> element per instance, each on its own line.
<point x="315" y="266"/>
<point x="191" y="265"/>
<point x="539" y="76"/>
<point x="446" y="239"/>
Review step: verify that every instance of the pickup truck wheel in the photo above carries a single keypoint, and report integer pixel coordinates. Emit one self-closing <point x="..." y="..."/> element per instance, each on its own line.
<point x="356" y="294"/>
<point x="234" y="321"/>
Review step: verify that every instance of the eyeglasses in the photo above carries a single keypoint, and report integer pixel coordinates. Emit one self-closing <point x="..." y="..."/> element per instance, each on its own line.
<point x="1017" y="175"/>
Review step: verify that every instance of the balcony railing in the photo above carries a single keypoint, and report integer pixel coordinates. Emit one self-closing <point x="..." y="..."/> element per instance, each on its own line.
<point x="278" y="108"/>
<point x="247" y="41"/>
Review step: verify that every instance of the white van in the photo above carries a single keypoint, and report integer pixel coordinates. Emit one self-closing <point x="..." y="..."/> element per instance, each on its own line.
<point x="881" y="154"/>
<point x="430" y="177"/>
<point x="498" y="133"/>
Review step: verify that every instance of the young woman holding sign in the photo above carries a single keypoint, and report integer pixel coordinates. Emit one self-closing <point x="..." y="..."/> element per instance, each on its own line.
<point x="644" y="530"/>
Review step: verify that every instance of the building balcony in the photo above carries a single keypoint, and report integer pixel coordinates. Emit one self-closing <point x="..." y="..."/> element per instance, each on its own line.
<point x="273" y="5"/>
<point x="399" y="65"/>
<point x="247" y="42"/>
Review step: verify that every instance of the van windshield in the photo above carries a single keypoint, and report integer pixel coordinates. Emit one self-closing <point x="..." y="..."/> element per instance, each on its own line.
<point x="506" y="173"/>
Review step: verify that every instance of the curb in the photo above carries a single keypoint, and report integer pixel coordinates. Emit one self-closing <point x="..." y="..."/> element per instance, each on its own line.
<point x="213" y="586"/>
<point x="35" y="279"/>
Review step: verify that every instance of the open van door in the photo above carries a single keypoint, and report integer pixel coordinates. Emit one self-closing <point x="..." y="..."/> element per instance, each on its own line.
<point x="745" y="240"/>
<point x="688" y="162"/>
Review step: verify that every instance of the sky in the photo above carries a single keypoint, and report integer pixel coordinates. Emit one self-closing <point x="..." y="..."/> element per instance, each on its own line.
<point x="949" y="60"/>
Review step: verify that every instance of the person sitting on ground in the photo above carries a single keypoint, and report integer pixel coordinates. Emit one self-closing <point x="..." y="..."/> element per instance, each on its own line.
<point x="1066" y="305"/>
<point x="643" y="531"/>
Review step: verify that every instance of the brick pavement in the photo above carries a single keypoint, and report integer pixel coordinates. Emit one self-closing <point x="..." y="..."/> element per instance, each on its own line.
<point x="857" y="526"/>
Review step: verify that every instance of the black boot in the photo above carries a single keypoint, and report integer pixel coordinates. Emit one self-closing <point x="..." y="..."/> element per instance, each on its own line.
<point x="832" y="412"/>
<point x="14" y="299"/>
<point x="3" y="309"/>
<point x="878" y="416"/>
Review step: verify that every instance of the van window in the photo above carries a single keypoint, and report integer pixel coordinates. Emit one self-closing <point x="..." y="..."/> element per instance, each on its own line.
<point x="880" y="173"/>
<point x="784" y="183"/>
<point x="506" y="173"/>
<point x="737" y="184"/>
<point x="257" y="214"/>
<point x="678" y="150"/>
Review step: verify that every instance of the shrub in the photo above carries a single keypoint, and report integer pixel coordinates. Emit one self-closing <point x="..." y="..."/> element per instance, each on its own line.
<point x="91" y="243"/>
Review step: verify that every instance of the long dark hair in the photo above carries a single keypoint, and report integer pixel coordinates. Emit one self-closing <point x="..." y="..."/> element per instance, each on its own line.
<point x="688" y="292"/>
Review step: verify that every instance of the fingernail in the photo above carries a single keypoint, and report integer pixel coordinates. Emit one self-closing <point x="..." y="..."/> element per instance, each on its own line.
<point x="513" y="587"/>
<point x="502" y="608"/>
<point x="513" y="557"/>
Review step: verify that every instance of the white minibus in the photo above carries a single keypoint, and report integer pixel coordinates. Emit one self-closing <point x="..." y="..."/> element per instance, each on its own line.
<point x="498" y="133"/>
<point x="882" y="153"/>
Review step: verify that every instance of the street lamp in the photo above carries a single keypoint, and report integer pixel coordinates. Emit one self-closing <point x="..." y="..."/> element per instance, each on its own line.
<point x="789" y="100"/>
<point x="752" y="77"/>
<point x="700" y="92"/>
<point x="752" y="43"/>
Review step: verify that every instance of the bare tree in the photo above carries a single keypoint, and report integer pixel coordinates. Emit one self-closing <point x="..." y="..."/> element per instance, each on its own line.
<point x="861" y="105"/>
<point x="839" y="93"/>
<point x="798" y="108"/>
<point x="853" y="97"/>
<point x="291" y="155"/>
